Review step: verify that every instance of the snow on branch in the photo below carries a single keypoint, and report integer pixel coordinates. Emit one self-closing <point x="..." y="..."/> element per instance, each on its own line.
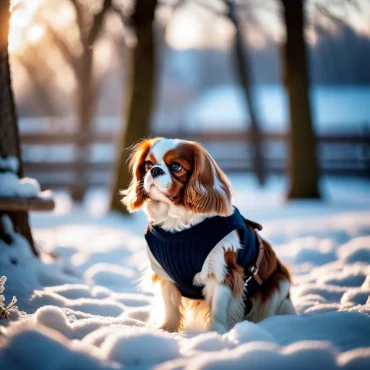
<point x="5" y="310"/>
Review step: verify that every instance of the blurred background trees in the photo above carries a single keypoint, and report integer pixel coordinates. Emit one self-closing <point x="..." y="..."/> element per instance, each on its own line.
<point x="267" y="86"/>
<point x="88" y="26"/>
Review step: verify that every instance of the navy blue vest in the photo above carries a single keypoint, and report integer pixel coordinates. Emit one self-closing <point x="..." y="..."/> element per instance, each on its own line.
<point x="182" y="254"/>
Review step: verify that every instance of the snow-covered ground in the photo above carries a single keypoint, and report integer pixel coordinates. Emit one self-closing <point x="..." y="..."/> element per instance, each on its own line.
<point x="85" y="312"/>
<point x="336" y="108"/>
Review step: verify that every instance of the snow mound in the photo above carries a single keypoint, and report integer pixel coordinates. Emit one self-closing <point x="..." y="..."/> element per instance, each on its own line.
<point x="248" y="332"/>
<point x="29" y="347"/>
<point x="264" y="355"/>
<point x="134" y="346"/>
<point x="356" y="250"/>
<point x="12" y="186"/>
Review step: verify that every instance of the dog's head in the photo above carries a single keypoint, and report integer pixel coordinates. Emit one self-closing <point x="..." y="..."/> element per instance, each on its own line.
<point x="178" y="172"/>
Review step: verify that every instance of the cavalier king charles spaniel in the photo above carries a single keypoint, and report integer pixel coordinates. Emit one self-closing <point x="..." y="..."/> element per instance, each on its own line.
<point x="204" y="256"/>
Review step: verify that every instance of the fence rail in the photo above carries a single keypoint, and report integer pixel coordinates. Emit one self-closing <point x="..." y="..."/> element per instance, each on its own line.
<point x="56" y="165"/>
<point x="52" y="138"/>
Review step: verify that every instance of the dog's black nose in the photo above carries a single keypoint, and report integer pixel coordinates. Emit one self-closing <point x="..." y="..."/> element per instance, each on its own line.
<point x="156" y="171"/>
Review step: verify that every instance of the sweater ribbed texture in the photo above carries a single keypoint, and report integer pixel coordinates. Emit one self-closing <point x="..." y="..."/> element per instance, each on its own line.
<point x="182" y="254"/>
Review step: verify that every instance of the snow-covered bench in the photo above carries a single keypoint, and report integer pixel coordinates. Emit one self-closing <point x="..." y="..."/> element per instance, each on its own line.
<point x="20" y="194"/>
<point x="23" y="204"/>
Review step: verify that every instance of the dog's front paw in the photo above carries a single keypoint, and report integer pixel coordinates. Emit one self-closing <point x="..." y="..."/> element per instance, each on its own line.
<point x="218" y="327"/>
<point x="170" y="327"/>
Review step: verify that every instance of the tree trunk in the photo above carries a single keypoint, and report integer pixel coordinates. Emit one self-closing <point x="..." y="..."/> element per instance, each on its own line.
<point x="85" y="103"/>
<point x="304" y="176"/>
<point x="243" y="69"/>
<point x="9" y="138"/>
<point x="143" y="86"/>
<point x="86" y="97"/>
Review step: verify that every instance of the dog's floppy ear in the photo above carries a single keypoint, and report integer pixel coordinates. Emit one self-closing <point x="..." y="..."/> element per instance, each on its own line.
<point x="135" y="196"/>
<point x="208" y="190"/>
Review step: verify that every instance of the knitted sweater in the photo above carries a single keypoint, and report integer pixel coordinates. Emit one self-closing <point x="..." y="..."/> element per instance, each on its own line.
<point x="182" y="254"/>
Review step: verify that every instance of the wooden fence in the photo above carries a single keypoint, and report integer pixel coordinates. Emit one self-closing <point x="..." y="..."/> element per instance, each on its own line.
<point x="51" y="157"/>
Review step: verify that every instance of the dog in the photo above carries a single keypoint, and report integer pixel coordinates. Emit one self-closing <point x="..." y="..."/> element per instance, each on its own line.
<point x="203" y="254"/>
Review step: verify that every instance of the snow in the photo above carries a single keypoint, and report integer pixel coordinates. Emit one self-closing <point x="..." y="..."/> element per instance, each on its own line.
<point x="344" y="108"/>
<point x="9" y="163"/>
<point x="12" y="186"/>
<point x="84" y="310"/>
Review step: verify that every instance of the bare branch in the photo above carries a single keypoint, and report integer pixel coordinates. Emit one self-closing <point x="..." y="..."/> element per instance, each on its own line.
<point x="210" y="8"/>
<point x="79" y="15"/>
<point x="98" y="22"/>
<point x="125" y="19"/>
<point x="173" y="8"/>
<point x="38" y="83"/>
<point x="327" y="13"/>
<point x="71" y="59"/>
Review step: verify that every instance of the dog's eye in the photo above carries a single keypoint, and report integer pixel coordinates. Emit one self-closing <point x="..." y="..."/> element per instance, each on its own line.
<point x="176" y="166"/>
<point x="148" y="165"/>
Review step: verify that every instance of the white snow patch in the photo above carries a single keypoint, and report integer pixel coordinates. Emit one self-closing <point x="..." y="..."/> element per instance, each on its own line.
<point x="135" y="346"/>
<point x="12" y="186"/>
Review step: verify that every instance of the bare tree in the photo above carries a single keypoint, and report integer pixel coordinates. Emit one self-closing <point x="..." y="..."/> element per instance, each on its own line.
<point x="304" y="173"/>
<point x="89" y="28"/>
<point x="142" y="88"/>
<point x="243" y="71"/>
<point x="87" y="91"/>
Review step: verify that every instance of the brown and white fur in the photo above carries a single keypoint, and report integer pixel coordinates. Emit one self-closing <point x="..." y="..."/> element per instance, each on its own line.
<point x="190" y="189"/>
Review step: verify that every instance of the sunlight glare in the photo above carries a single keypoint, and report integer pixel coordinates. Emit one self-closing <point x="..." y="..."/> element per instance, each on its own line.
<point x="103" y="57"/>
<point x="35" y="33"/>
<point x="184" y="32"/>
<point x="195" y="28"/>
<point x="18" y="22"/>
<point x="15" y="40"/>
<point x="311" y="36"/>
<point x="20" y="19"/>
<point x="255" y="38"/>
<point x="270" y="22"/>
